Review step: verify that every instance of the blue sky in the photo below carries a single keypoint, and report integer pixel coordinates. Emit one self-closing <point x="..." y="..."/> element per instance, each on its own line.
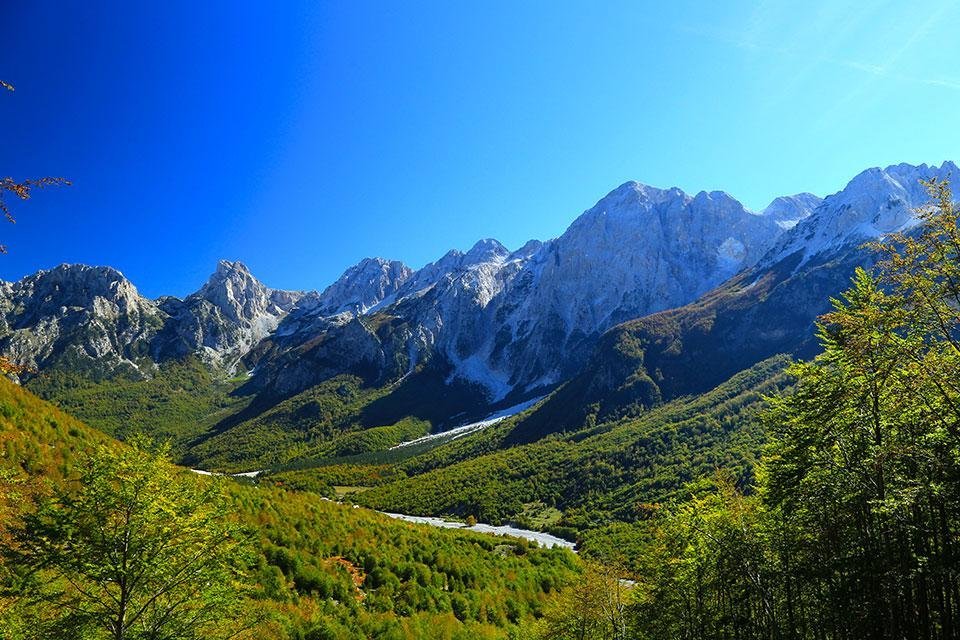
<point x="301" y="137"/>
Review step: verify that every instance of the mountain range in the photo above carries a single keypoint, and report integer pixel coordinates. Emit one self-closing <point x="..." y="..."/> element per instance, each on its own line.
<point x="648" y="295"/>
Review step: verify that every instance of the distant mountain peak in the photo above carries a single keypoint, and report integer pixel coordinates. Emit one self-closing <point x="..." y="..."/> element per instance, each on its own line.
<point x="787" y="211"/>
<point x="510" y="321"/>
<point x="230" y="270"/>
<point x="80" y="283"/>
<point x="486" y="250"/>
<point x="633" y="191"/>
<point x="230" y="287"/>
<point x="488" y="245"/>
<point x="375" y="260"/>
<point x="103" y="271"/>
<point x="875" y="202"/>
<point x="715" y="196"/>
<point x="226" y="317"/>
<point x="362" y="287"/>
<point x="230" y="266"/>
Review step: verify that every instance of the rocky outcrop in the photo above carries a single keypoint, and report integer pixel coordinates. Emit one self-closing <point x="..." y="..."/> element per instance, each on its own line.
<point x="94" y="320"/>
<point x="521" y="320"/>
<point x="87" y="318"/>
<point x="511" y="322"/>
<point x="766" y="310"/>
<point x="787" y="211"/>
<point x="222" y="321"/>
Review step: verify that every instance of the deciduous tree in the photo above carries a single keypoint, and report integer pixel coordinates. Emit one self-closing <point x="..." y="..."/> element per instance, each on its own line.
<point x="131" y="549"/>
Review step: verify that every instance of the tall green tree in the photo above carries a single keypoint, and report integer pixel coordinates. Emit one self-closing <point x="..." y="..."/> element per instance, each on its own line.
<point x="705" y="571"/>
<point x="595" y="606"/>
<point x="132" y="550"/>
<point x="863" y="475"/>
<point x="852" y="529"/>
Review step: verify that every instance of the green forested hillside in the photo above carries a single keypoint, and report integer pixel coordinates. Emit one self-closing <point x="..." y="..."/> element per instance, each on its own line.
<point x="326" y="570"/>
<point x="214" y="423"/>
<point x="36" y="437"/>
<point x="851" y="529"/>
<point x="693" y="348"/>
<point x="339" y="417"/>
<point x="594" y="475"/>
<point x="178" y="402"/>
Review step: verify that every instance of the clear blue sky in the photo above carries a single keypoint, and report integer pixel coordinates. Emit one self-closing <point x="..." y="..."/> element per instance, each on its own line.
<point x="301" y="137"/>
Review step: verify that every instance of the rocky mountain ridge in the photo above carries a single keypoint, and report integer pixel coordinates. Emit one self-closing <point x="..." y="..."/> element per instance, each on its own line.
<point x="765" y="310"/>
<point x="93" y="319"/>
<point x="515" y="322"/>
<point x="511" y="323"/>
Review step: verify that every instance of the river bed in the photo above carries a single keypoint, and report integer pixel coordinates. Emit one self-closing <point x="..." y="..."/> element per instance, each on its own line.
<point x="543" y="539"/>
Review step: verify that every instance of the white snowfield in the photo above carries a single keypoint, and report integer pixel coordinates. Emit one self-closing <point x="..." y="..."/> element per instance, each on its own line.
<point x="464" y="429"/>
<point x="245" y="474"/>
<point x="544" y="539"/>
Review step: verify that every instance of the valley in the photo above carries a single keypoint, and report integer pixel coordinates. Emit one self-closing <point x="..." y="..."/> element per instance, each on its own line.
<point x="588" y="392"/>
<point x="462" y="321"/>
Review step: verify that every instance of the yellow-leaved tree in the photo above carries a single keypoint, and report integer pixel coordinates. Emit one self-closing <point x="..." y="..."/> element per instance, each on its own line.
<point x="131" y="548"/>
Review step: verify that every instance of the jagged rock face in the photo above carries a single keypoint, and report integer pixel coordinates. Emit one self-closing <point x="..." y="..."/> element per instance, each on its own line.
<point x="362" y="287"/>
<point x="876" y="202"/>
<point x="359" y="290"/>
<point x="88" y="318"/>
<point x="526" y="319"/>
<point x="766" y="310"/>
<point x="93" y="319"/>
<point x="639" y="250"/>
<point x="222" y="321"/>
<point x="347" y="347"/>
<point x="787" y="211"/>
<point x="511" y="321"/>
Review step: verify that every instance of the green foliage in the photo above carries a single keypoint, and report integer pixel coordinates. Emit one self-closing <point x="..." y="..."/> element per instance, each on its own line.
<point x="320" y="569"/>
<point x="38" y="439"/>
<point x="286" y="431"/>
<point x="337" y="418"/>
<point x="178" y="402"/>
<point x="703" y="571"/>
<point x="594" y="475"/>
<point x="596" y="606"/>
<point x="854" y="529"/>
<point x="372" y="439"/>
<point x="322" y="479"/>
<point x="211" y="426"/>
<point x="406" y="574"/>
<point x="128" y="550"/>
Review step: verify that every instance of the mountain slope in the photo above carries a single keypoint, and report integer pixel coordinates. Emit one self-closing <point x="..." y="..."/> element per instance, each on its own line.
<point x="340" y="416"/>
<point x="92" y="319"/>
<point x="602" y="471"/>
<point x="320" y="569"/>
<point x="716" y="289"/>
<point x="178" y="402"/>
<point x="515" y="322"/>
<point x="222" y="321"/>
<point x="78" y="317"/>
<point x="768" y="309"/>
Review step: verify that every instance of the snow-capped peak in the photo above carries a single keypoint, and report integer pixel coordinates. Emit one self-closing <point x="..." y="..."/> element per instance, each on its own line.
<point x="486" y="250"/>
<point x="363" y="286"/>
<point x="789" y="210"/>
<point x="874" y="203"/>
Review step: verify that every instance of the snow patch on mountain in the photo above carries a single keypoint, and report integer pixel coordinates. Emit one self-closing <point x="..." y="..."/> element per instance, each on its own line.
<point x="458" y="432"/>
<point x="874" y="203"/>
<point x="510" y="321"/>
<point x="787" y="211"/>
